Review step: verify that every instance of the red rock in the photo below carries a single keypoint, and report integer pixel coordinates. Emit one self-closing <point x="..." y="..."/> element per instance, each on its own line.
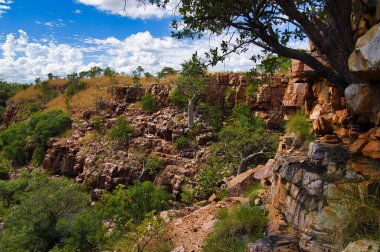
<point x="357" y="146"/>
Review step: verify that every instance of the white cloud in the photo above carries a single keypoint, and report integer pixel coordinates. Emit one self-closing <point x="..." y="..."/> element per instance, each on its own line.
<point x="52" y="24"/>
<point x="24" y="60"/>
<point x="77" y="11"/>
<point x="5" y="6"/>
<point x="132" y="9"/>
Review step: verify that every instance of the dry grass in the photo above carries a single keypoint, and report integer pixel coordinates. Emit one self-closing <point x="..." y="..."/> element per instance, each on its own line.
<point x="29" y="93"/>
<point x="57" y="103"/>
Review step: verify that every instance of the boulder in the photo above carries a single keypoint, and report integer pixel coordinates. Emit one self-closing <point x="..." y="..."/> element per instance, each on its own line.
<point x="241" y="183"/>
<point x="372" y="149"/>
<point x="365" y="60"/>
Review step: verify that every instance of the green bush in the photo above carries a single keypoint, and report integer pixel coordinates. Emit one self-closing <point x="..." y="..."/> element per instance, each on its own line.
<point x="149" y="104"/>
<point x="179" y="99"/>
<point x="181" y="143"/>
<point x="20" y="140"/>
<point x="299" y="125"/>
<point x="188" y="195"/>
<point x="154" y="164"/>
<point x="132" y="204"/>
<point x="235" y="228"/>
<point x="48" y="213"/>
<point x="48" y="93"/>
<point x="75" y="88"/>
<point x="121" y="131"/>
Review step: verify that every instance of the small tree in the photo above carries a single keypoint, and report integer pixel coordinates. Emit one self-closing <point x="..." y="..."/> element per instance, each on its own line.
<point x="245" y="138"/>
<point x="192" y="83"/>
<point x="50" y="76"/>
<point x="111" y="74"/>
<point x="165" y="72"/>
<point x="95" y="71"/>
<point x="136" y="75"/>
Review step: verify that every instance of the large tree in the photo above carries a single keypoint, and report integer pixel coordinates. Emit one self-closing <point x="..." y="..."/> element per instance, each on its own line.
<point x="274" y="25"/>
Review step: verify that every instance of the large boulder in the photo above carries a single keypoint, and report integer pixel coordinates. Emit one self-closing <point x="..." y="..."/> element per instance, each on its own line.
<point x="363" y="99"/>
<point x="241" y="182"/>
<point x="365" y="60"/>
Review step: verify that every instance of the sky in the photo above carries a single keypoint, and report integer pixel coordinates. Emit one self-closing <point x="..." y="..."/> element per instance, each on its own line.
<point x="38" y="37"/>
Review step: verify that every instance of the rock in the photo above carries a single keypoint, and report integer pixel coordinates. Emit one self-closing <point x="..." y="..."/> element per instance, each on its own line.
<point x="322" y="127"/>
<point x="372" y="149"/>
<point x="204" y="138"/>
<point x="258" y="202"/>
<point x="212" y="198"/>
<point x="363" y="99"/>
<point x="363" y="246"/>
<point x="275" y="243"/>
<point x="365" y="60"/>
<point x="241" y="183"/>
<point x="179" y="249"/>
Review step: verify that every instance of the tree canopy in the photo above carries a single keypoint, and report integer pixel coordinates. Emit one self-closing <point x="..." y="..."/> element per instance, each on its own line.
<point x="274" y="25"/>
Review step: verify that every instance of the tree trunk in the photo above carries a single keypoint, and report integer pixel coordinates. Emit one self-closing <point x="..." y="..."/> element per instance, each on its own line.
<point x="191" y="111"/>
<point x="245" y="162"/>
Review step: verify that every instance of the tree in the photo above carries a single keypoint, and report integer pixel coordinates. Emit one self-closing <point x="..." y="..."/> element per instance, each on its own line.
<point x="165" y="72"/>
<point x="95" y="71"/>
<point x="50" y="76"/>
<point x="136" y="75"/>
<point x="246" y="139"/>
<point x="191" y="83"/>
<point x="272" y="63"/>
<point x="274" y="25"/>
<point x="111" y="74"/>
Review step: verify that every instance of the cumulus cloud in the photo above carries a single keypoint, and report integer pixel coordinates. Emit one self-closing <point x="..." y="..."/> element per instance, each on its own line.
<point x="24" y="60"/>
<point x="131" y="8"/>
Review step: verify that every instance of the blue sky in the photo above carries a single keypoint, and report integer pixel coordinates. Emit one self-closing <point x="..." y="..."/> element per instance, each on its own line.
<point x="38" y="37"/>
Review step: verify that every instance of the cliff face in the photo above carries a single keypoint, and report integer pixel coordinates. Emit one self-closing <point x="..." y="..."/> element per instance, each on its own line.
<point x="312" y="189"/>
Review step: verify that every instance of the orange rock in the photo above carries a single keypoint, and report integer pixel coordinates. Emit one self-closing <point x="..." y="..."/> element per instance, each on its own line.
<point x="241" y="182"/>
<point x="372" y="149"/>
<point x="357" y="146"/>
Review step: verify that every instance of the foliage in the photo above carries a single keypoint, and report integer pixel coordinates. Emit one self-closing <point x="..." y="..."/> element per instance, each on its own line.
<point x="150" y="228"/>
<point x="73" y="79"/>
<point x="8" y="89"/>
<point x="21" y="139"/>
<point x="274" y="27"/>
<point x="178" y="98"/>
<point x="252" y="86"/>
<point x="274" y="64"/>
<point x="124" y="206"/>
<point x="98" y="124"/>
<point x="95" y="71"/>
<point x="193" y="77"/>
<point x="136" y="75"/>
<point x="148" y="75"/>
<point x="154" y="164"/>
<point x="353" y="214"/>
<point x="73" y="89"/>
<point x="48" y="93"/>
<point x="188" y="194"/>
<point x="48" y="213"/>
<point x="149" y="104"/>
<point x="26" y="109"/>
<point x="121" y="130"/>
<point x="299" y="125"/>
<point x="245" y="135"/>
<point x="235" y="228"/>
<point x="181" y="143"/>
<point x="166" y="71"/>
<point x="214" y="115"/>
<point x="111" y="74"/>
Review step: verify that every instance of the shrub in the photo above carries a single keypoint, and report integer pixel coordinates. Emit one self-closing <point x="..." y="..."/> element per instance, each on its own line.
<point x="149" y="104"/>
<point x="299" y="125"/>
<point x="49" y="213"/>
<point x="121" y="130"/>
<point x="75" y="88"/>
<point x="181" y="143"/>
<point x="179" y="99"/>
<point x="20" y="140"/>
<point x="188" y="194"/>
<point x="235" y="228"/>
<point x="154" y="164"/>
